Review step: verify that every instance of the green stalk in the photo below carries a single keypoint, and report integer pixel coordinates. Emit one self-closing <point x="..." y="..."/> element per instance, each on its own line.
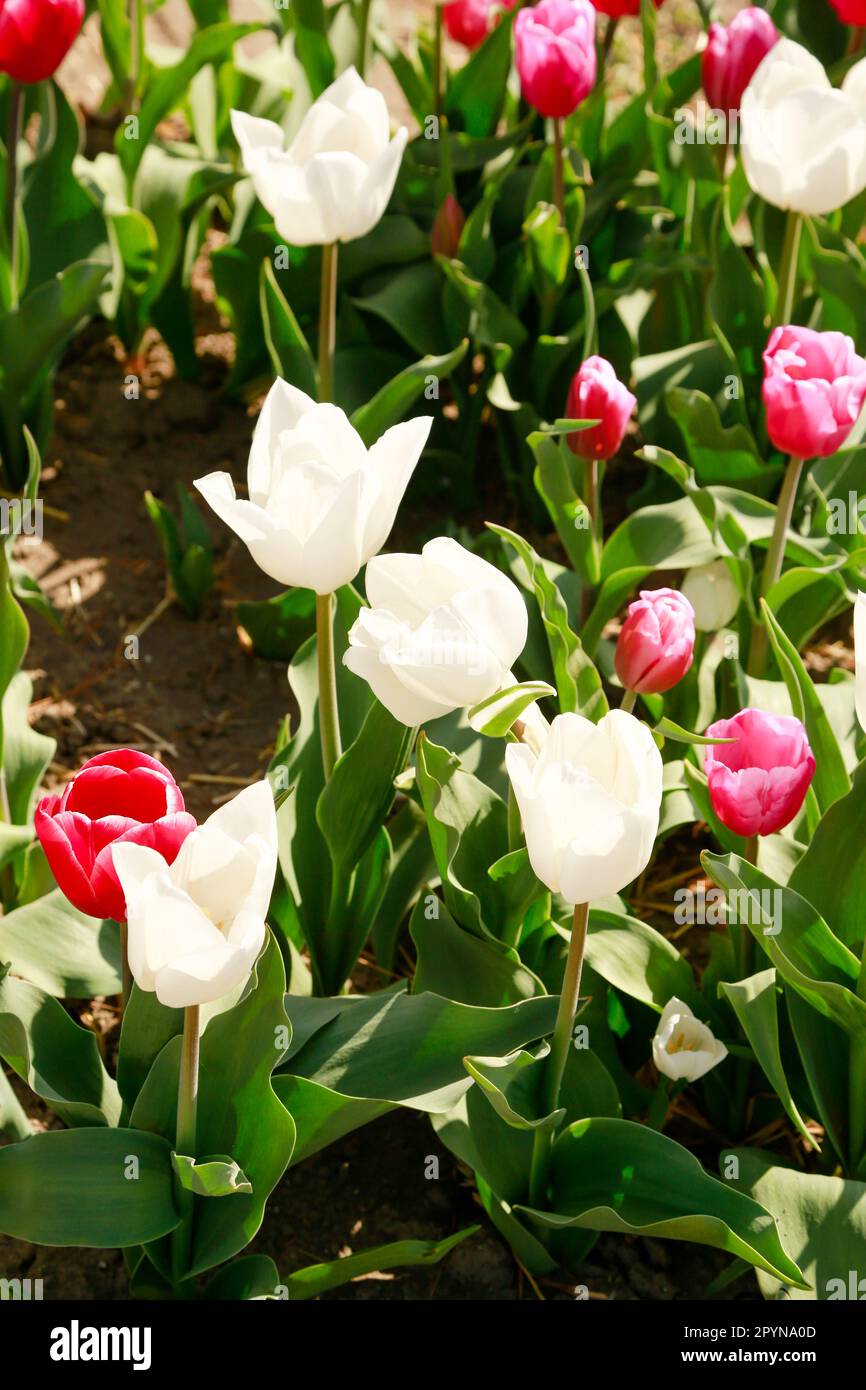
<point x="592" y="499"/>
<point x="363" y="33"/>
<point x="125" y="972"/>
<point x="788" y="272"/>
<point x="560" y="1043"/>
<point x="13" y="138"/>
<point x="607" y="43"/>
<point x="328" y="321"/>
<point x="438" y="60"/>
<point x="558" y="169"/>
<point x="329" y="714"/>
<point x="629" y="700"/>
<point x="775" y="559"/>
<point x="185" y="1141"/>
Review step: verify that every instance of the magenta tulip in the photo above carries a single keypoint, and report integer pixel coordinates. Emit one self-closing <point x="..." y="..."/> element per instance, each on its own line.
<point x="656" y="642"/>
<point x="733" y="55"/>
<point x="758" y="783"/>
<point x="555" y="51"/>
<point x="814" y="388"/>
<point x="598" y="394"/>
<point x="118" y="797"/>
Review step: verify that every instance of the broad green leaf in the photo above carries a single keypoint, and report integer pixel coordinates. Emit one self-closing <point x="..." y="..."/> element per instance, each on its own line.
<point x="59" y="949"/>
<point x="248" y="1277"/>
<point x="391" y="404"/>
<point x="464" y="967"/>
<point x="321" y="1115"/>
<point x="832" y="872"/>
<point x="210" y="1177"/>
<point x="358" y="796"/>
<point x="494" y="716"/>
<point x="318" y="1279"/>
<point x="26" y="752"/>
<point x="634" y="957"/>
<point x="476" y="93"/>
<point x="754" y="1003"/>
<point x="288" y="348"/>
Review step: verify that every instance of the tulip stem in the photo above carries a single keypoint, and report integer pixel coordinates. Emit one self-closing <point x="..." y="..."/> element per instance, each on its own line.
<point x="185" y="1140"/>
<point x="775" y="560"/>
<point x="607" y="42"/>
<point x="329" y="715"/>
<point x="363" y="34"/>
<point x="592" y="499"/>
<point x="14" y="130"/>
<point x="125" y="972"/>
<point x="560" y="1043"/>
<point x="629" y="700"/>
<point x="438" y="60"/>
<point x="788" y="271"/>
<point x="857" y="1086"/>
<point x="328" y="321"/>
<point x="558" y="169"/>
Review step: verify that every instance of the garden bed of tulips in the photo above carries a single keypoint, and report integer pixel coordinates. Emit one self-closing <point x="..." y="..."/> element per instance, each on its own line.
<point x="432" y="586"/>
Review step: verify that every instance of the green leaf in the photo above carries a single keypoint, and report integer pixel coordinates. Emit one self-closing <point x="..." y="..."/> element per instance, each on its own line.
<point x="59" y="949"/>
<point x="210" y="1177"/>
<point x="832" y="872"/>
<point x="318" y="1279"/>
<point x="754" y="1003"/>
<point x="278" y="626"/>
<point x="26" y="752"/>
<point x="357" y="798"/>
<point x="494" y="716"/>
<point x="476" y="93"/>
<point x="391" y="404"/>
<point x="102" y="1188"/>
<point x="668" y="729"/>
<point x="461" y="966"/>
<point x="635" y="958"/>
<point x="289" y="350"/>
<point x="249" y="1277"/>
<point x="614" y="1175"/>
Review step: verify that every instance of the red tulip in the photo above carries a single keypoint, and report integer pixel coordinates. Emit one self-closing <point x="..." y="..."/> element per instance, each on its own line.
<point x="466" y="21"/>
<point x="620" y="9"/>
<point x="449" y="224"/>
<point x="733" y="54"/>
<point x="759" y="782"/>
<point x="656" y="642"/>
<point x="36" y="35"/>
<point x="598" y="394"/>
<point x="118" y="797"/>
<point x="850" y="11"/>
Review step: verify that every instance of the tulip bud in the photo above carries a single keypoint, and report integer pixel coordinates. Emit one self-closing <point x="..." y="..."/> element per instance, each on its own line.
<point x="448" y="227"/>
<point x="656" y="642"/>
<point x="733" y="54"/>
<point x="860" y="657"/>
<point x="466" y="21"/>
<point x="443" y="632"/>
<point x="850" y="11"/>
<point x="597" y="394"/>
<point x="336" y="178"/>
<point x="121" y="797"/>
<point x="589" y="803"/>
<point x="804" y="140"/>
<point x="36" y="35"/>
<point x="713" y="595"/>
<point x="814" y="388"/>
<point x="554" y="45"/>
<point x="621" y="9"/>
<point x="684" y="1048"/>
<point x="759" y="782"/>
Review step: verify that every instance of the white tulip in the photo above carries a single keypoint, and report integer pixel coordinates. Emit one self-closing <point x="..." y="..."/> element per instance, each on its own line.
<point x="860" y="657"/>
<point x="684" y="1048"/>
<point x="320" y="503"/>
<point x="442" y="632"/>
<point x="589" y="803"/>
<point x="803" y="140"/>
<point x="197" y="926"/>
<point x="336" y="178"/>
<point x="713" y="595"/>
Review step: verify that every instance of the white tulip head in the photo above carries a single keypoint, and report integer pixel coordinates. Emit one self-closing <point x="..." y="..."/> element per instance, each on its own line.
<point x="197" y="926"/>
<point x="589" y="802"/>
<point x="320" y="503"/>
<point x="685" y="1049"/>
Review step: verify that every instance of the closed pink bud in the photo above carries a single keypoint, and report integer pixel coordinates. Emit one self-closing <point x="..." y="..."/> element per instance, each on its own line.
<point x="850" y="11"/>
<point x="466" y="21"/>
<point x="733" y="54"/>
<point x="621" y="9"/>
<point x="449" y="224"/>
<point x="555" y="51"/>
<point x="656" y="642"/>
<point x="814" y="388"/>
<point x="598" y="394"/>
<point x="758" y="783"/>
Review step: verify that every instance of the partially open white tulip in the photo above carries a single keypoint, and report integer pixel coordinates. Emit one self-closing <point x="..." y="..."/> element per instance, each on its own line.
<point x="336" y="178"/>
<point x="804" y="141"/>
<point x="442" y="633"/>
<point x="684" y="1048"/>
<point x="860" y="657"/>
<point x="713" y="595"/>
<point x="320" y="503"/>
<point x="589" y="803"/>
<point x="196" y="927"/>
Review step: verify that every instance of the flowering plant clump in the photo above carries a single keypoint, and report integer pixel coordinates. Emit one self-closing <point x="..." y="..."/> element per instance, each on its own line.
<point x="550" y="398"/>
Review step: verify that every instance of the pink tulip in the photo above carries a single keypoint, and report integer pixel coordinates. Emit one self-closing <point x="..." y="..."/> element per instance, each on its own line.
<point x="598" y="394"/>
<point x="850" y="11"/>
<point x="814" y="388"/>
<point x="122" y="796"/>
<point x="621" y="9"/>
<point x="449" y="224"/>
<point x="759" y="783"/>
<point x="555" y="51"/>
<point x="733" y="55"/>
<point x="656" y="642"/>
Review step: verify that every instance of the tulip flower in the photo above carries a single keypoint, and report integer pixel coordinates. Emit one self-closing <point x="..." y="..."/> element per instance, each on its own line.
<point x="621" y="9"/>
<point x="320" y="503"/>
<point x="337" y="176"/>
<point x="442" y="633"/>
<point x="597" y="394"/>
<point x="814" y="389"/>
<point x="860" y="657"/>
<point x="804" y="141"/>
<point x="36" y="35"/>
<point x="656" y="643"/>
<point x="758" y="783"/>
<point x="466" y="21"/>
<point x="122" y="797"/>
<point x="555" y="52"/>
<point x="685" y="1049"/>
<point x="196" y="927"/>
<point x="733" y="54"/>
<point x="713" y="595"/>
<point x="448" y="228"/>
<point x="589" y="803"/>
<point x="850" y="11"/>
